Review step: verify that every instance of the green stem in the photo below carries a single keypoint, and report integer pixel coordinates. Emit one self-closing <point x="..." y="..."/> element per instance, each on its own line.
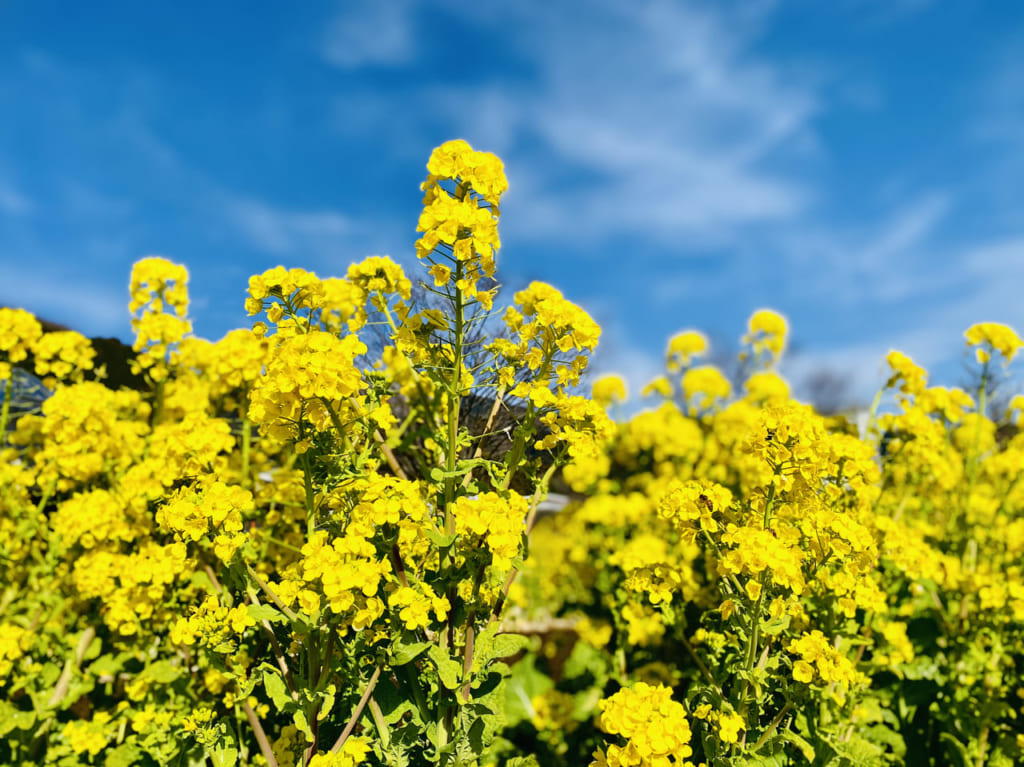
<point x="246" y="450"/>
<point x="261" y="736"/>
<point x="307" y="481"/>
<point x="266" y="590"/>
<point x="755" y="618"/>
<point x="528" y="425"/>
<point x="5" y="413"/>
<point x="772" y="727"/>
<point x="454" y="392"/>
<point x="357" y="712"/>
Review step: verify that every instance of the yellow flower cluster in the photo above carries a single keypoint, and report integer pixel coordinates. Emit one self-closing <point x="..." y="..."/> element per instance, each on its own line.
<point x="349" y="574"/>
<point x="212" y="625"/>
<point x="766" y="335"/>
<point x="86" y="431"/>
<point x="414" y="606"/>
<point x="88" y="736"/>
<point x="911" y="378"/>
<point x="991" y="337"/>
<point x="460" y="217"/>
<point x="704" y="386"/>
<point x="693" y="506"/>
<point x="820" y="663"/>
<point x="379" y="275"/>
<point x="132" y="587"/>
<point x="608" y="390"/>
<point x="159" y="304"/>
<point x="496" y="522"/>
<point x="683" y="347"/>
<point x="64" y="355"/>
<point x="19" y="333"/>
<point x="14" y="640"/>
<point x="311" y="375"/>
<point x="655" y="728"/>
<point x="194" y="511"/>
<point x="353" y="753"/>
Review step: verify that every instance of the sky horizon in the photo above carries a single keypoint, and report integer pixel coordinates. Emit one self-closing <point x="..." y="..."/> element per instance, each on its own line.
<point x="854" y="166"/>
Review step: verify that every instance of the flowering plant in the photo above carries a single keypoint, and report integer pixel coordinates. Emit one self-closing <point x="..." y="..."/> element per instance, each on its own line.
<point x="306" y="543"/>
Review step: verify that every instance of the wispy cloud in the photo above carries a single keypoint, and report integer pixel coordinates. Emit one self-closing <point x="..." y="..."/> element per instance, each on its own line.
<point x="369" y="34"/>
<point x="283" y="232"/>
<point x="12" y="202"/>
<point x="658" y="121"/>
<point x="87" y="305"/>
<point x="669" y="116"/>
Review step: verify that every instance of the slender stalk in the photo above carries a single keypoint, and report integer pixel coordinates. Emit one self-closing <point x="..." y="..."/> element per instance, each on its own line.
<point x="755" y="618"/>
<point x="470" y="643"/>
<point x="267" y="590"/>
<point x="702" y="667"/>
<point x="307" y="481"/>
<point x="772" y="727"/>
<point x="5" y="411"/>
<point x="383" y="731"/>
<point x="278" y="653"/>
<point x="246" y="450"/>
<point x="498" y="399"/>
<point x="261" y="736"/>
<point x="70" y="666"/>
<point x="454" y="397"/>
<point x="357" y="712"/>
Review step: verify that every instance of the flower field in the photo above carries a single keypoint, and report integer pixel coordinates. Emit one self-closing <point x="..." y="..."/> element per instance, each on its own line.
<point x="317" y="541"/>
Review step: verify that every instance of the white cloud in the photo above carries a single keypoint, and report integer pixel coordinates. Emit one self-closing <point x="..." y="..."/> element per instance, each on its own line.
<point x="370" y="33"/>
<point x="13" y="202"/>
<point x="650" y="119"/>
<point x="89" y="306"/>
<point x="287" y="232"/>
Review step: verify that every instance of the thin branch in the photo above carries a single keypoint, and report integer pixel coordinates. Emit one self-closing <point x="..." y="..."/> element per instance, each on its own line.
<point x="370" y="685"/>
<point x="261" y="736"/>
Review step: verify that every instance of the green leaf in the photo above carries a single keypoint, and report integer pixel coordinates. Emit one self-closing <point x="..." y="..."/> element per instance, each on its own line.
<point x="93" y="650"/>
<point x="448" y="670"/>
<point x="224" y="756"/>
<point x="806" y="749"/>
<point x="326" y="702"/>
<point x="299" y="717"/>
<point x="475" y="737"/>
<point x="956" y="750"/>
<point x="507" y="645"/>
<point x="161" y="672"/>
<point x="775" y="626"/>
<point x="125" y="755"/>
<point x="108" y="665"/>
<point x="405" y="650"/>
<point x="13" y="719"/>
<point x="265" y="613"/>
<point x="393" y="704"/>
<point x="523" y="761"/>
<point x="440" y="540"/>
<point x="274" y="684"/>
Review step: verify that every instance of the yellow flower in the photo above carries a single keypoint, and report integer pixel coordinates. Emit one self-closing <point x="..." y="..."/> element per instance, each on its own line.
<point x="683" y="347"/>
<point x="608" y="389"/>
<point x="729" y="726"/>
<point x="655" y="728"/>
<point x="441" y="274"/>
<point x="703" y="386"/>
<point x="766" y="334"/>
<point x="991" y="336"/>
<point x="911" y="378"/>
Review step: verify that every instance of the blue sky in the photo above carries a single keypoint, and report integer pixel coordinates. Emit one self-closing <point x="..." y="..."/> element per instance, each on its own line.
<point x="855" y="164"/>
